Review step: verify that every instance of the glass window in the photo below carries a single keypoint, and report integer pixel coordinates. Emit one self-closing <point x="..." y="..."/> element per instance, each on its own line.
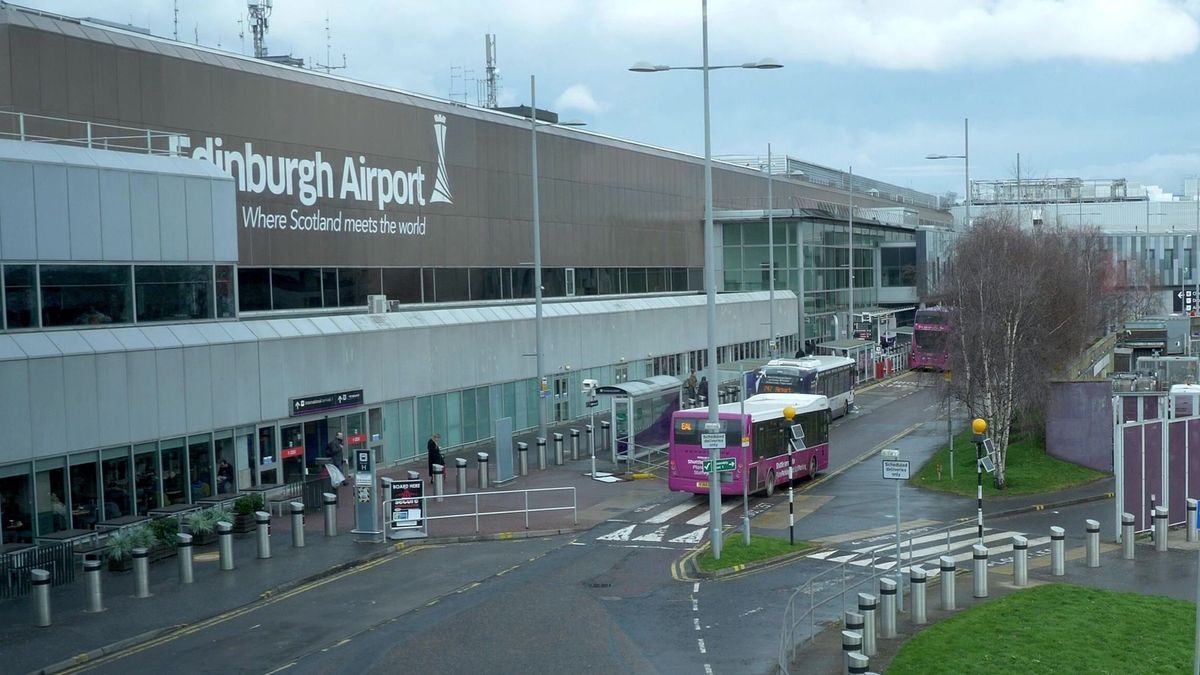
<point x="470" y="419"/>
<point x="16" y="507"/>
<point x="225" y="303"/>
<point x="20" y="297"/>
<point x="173" y="292"/>
<point x="428" y="290"/>
<point x="296" y="288"/>
<point x="679" y="279"/>
<point x="438" y="407"/>
<point x="291" y="451"/>
<point x="424" y="418"/>
<point x="200" y="466"/>
<point x="451" y="284"/>
<point x="483" y="415"/>
<point x="656" y="280"/>
<point x="85" y="294"/>
<point x="254" y="289"/>
<point x="329" y="287"/>
<point x="408" y="442"/>
<point x="51" y="506"/>
<point x="637" y="280"/>
<point x="454" y="425"/>
<point x="114" y="473"/>
<point x="145" y="467"/>
<point x="402" y="284"/>
<point x="174" y="488"/>
<point x="485" y="284"/>
<point x="554" y="282"/>
<point x="522" y="281"/>
<point x="587" y="281"/>
<point x="227" y="479"/>
<point x="84" y="511"/>
<point x="355" y="284"/>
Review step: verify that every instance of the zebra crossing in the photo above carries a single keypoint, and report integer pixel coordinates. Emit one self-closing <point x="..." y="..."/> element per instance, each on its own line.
<point x="682" y="525"/>
<point x="927" y="549"/>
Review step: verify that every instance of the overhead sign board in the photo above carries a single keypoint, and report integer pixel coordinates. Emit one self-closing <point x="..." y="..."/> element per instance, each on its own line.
<point x="712" y="441"/>
<point x="723" y="464"/>
<point x="610" y="390"/>
<point x="1185" y="300"/>
<point x="895" y="469"/>
<point x="307" y="405"/>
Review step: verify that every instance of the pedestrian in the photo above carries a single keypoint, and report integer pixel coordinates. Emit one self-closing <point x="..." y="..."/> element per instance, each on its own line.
<point x="224" y="476"/>
<point x="334" y="451"/>
<point x="435" y="453"/>
<point x="704" y="388"/>
<point x="691" y="388"/>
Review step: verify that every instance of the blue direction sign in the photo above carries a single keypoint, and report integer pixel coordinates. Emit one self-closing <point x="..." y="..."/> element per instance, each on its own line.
<point x="723" y="464"/>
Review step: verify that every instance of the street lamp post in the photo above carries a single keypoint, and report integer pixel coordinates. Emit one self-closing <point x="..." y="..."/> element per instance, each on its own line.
<point x="770" y="252"/>
<point x="713" y="425"/>
<point x="966" y="158"/>
<point x="979" y="426"/>
<point x="850" y="314"/>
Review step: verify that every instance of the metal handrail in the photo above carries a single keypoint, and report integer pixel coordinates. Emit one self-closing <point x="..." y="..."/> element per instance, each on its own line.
<point x="477" y="513"/>
<point x="137" y="140"/>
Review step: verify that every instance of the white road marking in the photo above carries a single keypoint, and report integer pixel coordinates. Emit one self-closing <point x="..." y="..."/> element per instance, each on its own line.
<point x="700" y="641"/>
<point x="656" y="535"/>
<point x="703" y="518"/>
<point x="620" y="535"/>
<point x="695" y="605"/>
<point x="696" y="587"/>
<point x="696" y="622"/>
<point x="692" y="537"/>
<point x="708" y="669"/>
<point x="670" y="513"/>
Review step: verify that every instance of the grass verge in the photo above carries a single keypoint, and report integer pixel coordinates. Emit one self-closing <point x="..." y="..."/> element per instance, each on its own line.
<point x="737" y="553"/>
<point x="1053" y="629"/>
<point x="1030" y="470"/>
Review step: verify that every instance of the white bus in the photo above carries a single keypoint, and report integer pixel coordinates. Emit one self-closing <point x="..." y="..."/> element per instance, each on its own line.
<point x="833" y="377"/>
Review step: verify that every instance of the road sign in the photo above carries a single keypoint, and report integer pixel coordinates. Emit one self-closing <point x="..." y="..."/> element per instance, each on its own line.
<point x="723" y="464"/>
<point x="895" y="469"/>
<point x="712" y="441"/>
<point x="1185" y="300"/>
<point x="592" y="403"/>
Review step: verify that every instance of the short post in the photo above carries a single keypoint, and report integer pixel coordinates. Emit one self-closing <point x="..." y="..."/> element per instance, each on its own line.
<point x="460" y="475"/>
<point x="866" y="605"/>
<point x="853" y="621"/>
<point x="574" y="444"/>
<point x="523" y="457"/>
<point x="330" y="514"/>
<point x="1191" y="520"/>
<point x="439" y="481"/>
<point x="857" y="662"/>
<point x="1093" y="543"/>
<point x="887" y="607"/>
<point x="1160" y="528"/>
<point x="851" y="644"/>
<point x="591" y="444"/>
<point x="184" y="546"/>
<point x="541" y="450"/>
<point x="262" y="520"/>
<point x="297" y="524"/>
<point x="558" y="449"/>
<point x="916" y="579"/>
<point x="1057" y="564"/>
<point x="946" y="569"/>
<point x="482" y="469"/>
<point x="979" y="556"/>
<point x="141" y="573"/>
<point x="1020" y="561"/>
<point x="40" y="579"/>
<point x="91" y="571"/>
<point x="225" y="544"/>
<point x="1127" y="536"/>
<point x="605" y="429"/>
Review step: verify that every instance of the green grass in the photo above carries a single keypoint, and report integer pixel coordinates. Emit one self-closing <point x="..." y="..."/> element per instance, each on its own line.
<point x="736" y="553"/>
<point x="1057" y="629"/>
<point x="1030" y="470"/>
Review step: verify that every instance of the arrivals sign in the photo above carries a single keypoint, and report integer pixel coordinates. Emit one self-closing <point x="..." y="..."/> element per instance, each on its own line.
<point x="307" y="405"/>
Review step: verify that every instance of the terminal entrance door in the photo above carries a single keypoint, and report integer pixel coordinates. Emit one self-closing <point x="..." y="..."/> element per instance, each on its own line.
<point x="266" y="460"/>
<point x="562" y="398"/>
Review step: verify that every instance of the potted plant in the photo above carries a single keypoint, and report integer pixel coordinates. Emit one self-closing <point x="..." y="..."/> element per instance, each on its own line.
<point x="163" y="531"/>
<point x="202" y="525"/>
<point x="120" y="545"/>
<point x="243" y="509"/>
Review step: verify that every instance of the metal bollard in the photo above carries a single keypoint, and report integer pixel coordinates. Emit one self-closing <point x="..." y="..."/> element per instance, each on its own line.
<point x="1093" y="543"/>
<point x="946" y="568"/>
<point x="866" y="605"/>
<point x="1191" y="520"/>
<point x="857" y="662"/>
<point x="853" y="621"/>
<point x="225" y="544"/>
<point x="851" y="644"/>
<point x="184" y="546"/>
<point x="605" y="430"/>
<point x="460" y="475"/>
<point x="541" y="447"/>
<point x="40" y="579"/>
<point x="558" y="449"/>
<point x="1020" y="561"/>
<point x="1160" y="528"/>
<point x="1057" y="564"/>
<point x="574" y="444"/>
<point x="439" y="482"/>
<point x="482" y="469"/>
<point x="330" y="514"/>
<point x="297" y="524"/>
<point x="1127" y="536"/>
<point x="523" y="457"/>
<point x="916" y="579"/>
<point x="591" y="445"/>
<point x="91" y="571"/>
<point x="887" y="607"/>
<point x="262" y="520"/>
<point x="979" y="556"/>
<point x="141" y="573"/>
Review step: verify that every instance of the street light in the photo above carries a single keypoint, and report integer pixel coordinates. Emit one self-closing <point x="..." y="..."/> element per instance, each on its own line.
<point x="541" y="384"/>
<point x="713" y="425"/>
<point x="966" y="158"/>
<point x="979" y="426"/>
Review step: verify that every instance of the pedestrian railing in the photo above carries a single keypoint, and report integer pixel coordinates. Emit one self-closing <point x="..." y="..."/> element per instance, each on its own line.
<point x="472" y="499"/>
<point x="43" y="129"/>
<point x="15" y="568"/>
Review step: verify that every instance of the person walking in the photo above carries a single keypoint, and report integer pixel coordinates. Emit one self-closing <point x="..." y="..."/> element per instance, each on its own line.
<point x="691" y="388"/>
<point x="335" y="451"/>
<point x="435" y="454"/>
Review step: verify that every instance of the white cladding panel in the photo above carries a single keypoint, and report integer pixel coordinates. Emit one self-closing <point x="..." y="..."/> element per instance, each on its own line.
<point x="83" y="205"/>
<point x="83" y="419"/>
<point x="15" y="419"/>
<point x="112" y="398"/>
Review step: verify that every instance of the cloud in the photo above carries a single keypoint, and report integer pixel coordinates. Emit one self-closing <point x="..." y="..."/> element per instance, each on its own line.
<point x="577" y="97"/>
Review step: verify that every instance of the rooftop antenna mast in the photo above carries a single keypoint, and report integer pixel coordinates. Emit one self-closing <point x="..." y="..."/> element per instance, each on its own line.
<point x="241" y="34"/>
<point x="260" y="11"/>
<point x="493" y="74"/>
<point x="176" y="6"/>
<point x="327" y="65"/>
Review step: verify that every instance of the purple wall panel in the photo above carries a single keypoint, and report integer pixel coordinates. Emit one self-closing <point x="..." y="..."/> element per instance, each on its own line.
<point x="1133" y="476"/>
<point x="1129" y="408"/>
<point x="1150" y="407"/>
<point x="1079" y="424"/>
<point x="1176" y="463"/>
<point x="1193" y="460"/>
<point x="1152" y="465"/>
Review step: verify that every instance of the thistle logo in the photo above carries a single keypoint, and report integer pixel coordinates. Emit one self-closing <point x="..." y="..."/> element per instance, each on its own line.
<point x="441" y="187"/>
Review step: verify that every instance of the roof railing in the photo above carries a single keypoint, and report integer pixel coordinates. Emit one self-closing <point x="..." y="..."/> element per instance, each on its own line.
<point x="27" y="127"/>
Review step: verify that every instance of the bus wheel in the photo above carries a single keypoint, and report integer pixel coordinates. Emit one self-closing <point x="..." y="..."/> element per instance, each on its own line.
<point x="771" y="482"/>
<point x="812" y="468"/>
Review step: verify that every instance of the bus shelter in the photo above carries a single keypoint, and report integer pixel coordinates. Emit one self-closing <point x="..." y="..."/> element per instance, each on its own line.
<point x="862" y="351"/>
<point x="641" y="414"/>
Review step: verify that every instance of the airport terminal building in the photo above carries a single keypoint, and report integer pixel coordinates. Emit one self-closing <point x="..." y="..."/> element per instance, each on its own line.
<point x="191" y="240"/>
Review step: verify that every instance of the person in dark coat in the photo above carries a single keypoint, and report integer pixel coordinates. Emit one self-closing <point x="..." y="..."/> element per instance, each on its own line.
<point x="435" y="453"/>
<point x="334" y="451"/>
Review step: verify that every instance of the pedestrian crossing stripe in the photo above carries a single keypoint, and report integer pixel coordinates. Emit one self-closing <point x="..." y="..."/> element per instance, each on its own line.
<point x="666" y="525"/>
<point x="928" y="549"/>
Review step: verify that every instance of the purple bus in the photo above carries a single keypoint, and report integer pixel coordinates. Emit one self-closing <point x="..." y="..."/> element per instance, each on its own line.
<point x="931" y="339"/>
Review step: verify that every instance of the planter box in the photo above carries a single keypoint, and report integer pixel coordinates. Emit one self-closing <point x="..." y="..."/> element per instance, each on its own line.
<point x="161" y="551"/>
<point x="203" y="539"/>
<point x="122" y="564"/>
<point x="243" y="524"/>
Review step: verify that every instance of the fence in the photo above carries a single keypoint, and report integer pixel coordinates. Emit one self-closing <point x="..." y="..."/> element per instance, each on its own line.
<point x="43" y="129"/>
<point x="58" y="559"/>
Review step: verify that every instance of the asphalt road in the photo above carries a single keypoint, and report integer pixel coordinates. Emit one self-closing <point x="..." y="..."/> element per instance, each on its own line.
<point x="585" y="604"/>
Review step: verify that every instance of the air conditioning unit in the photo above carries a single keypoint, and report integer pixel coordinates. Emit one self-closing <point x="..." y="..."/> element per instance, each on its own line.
<point x="377" y="304"/>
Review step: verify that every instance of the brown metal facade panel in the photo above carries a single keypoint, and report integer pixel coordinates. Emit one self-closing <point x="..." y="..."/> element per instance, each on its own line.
<point x="5" y="74"/>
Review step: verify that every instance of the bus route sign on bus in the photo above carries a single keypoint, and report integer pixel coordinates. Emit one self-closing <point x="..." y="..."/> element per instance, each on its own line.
<point x="723" y="464"/>
<point x="712" y="441"/>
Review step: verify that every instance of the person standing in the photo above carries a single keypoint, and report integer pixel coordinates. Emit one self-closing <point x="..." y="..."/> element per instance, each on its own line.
<point x="335" y="451"/>
<point x="691" y="388"/>
<point x="435" y="453"/>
